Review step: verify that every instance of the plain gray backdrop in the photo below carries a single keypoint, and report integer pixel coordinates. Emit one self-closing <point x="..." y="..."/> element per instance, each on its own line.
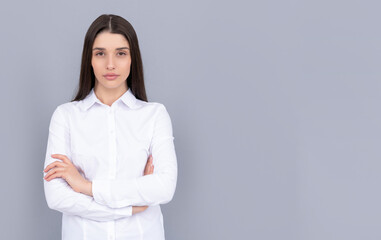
<point x="275" y="108"/>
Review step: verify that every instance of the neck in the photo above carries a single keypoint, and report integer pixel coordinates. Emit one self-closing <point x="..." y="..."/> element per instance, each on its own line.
<point x="109" y="96"/>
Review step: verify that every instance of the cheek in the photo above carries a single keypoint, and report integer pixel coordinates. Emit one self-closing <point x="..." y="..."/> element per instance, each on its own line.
<point x="128" y="65"/>
<point x="96" y="66"/>
<point x="125" y="65"/>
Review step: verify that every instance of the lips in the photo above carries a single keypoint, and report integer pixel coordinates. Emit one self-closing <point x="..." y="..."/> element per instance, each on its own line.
<point x="111" y="76"/>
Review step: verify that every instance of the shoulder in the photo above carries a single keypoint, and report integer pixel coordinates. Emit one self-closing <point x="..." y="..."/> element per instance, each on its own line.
<point x="152" y="107"/>
<point x="157" y="112"/>
<point x="66" y="108"/>
<point x="63" y="111"/>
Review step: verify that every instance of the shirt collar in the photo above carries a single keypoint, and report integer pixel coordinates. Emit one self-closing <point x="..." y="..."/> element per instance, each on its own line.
<point x="127" y="98"/>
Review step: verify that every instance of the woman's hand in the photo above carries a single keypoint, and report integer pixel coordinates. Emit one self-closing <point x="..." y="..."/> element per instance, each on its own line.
<point x="147" y="170"/>
<point x="149" y="166"/>
<point x="77" y="182"/>
<point x="69" y="172"/>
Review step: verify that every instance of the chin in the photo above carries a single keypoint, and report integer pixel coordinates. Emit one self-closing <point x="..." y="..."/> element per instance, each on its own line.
<point x="112" y="84"/>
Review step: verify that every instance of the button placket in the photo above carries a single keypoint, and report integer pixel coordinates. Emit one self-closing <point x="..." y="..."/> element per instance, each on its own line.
<point x="112" y="141"/>
<point x="111" y="233"/>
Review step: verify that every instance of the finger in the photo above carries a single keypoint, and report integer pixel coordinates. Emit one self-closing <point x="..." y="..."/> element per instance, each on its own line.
<point x="54" y="170"/>
<point x="151" y="169"/>
<point x="64" y="158"/>
<point x="56" y="175"/>
<point x="54" y="164"/>
<point x="49" y="174"/>
<point x="148" y="169"/>
<point x="149" y="159"/>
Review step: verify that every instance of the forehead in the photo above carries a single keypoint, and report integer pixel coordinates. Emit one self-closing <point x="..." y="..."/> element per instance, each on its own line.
<point x="110" y="40"/>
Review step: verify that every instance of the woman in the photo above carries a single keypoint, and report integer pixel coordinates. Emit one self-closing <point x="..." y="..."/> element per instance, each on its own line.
<point x="96" y="168"/>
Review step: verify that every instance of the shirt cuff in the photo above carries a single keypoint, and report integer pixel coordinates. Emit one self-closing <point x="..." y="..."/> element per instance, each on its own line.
<point x="101" y="191"/>
<point x="125" y="211"/>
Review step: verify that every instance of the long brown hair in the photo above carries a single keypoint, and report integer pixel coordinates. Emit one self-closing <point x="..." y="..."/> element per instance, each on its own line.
<point x="113" y="24"/>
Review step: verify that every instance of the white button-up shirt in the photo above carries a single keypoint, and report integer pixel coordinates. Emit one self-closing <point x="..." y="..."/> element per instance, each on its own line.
<point x="110" y="146"/>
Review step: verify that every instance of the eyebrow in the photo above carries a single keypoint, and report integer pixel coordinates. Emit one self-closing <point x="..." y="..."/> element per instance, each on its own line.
<point x="98" y="48"/>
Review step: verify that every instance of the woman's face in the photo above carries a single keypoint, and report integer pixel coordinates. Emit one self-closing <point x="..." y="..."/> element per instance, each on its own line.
<point x="111" y="60"/>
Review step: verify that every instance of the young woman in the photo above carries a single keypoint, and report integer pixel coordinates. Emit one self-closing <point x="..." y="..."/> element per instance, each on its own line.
<point x="96" y="170"/>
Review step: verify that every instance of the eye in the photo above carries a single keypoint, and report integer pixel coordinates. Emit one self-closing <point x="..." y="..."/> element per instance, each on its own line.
<point x="122" y="53"/>
<point x="99" y="54"/>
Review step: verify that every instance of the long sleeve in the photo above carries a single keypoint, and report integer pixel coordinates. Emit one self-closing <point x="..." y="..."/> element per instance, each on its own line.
<point x="58" y="193"/>
<point x="153" y="189"/>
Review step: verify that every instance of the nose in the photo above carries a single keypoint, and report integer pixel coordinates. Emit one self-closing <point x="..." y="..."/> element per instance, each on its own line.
<point x="110" y="63"/>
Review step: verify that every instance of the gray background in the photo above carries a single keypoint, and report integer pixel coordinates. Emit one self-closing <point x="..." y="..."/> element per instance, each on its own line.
<point x="274" y="104"/>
